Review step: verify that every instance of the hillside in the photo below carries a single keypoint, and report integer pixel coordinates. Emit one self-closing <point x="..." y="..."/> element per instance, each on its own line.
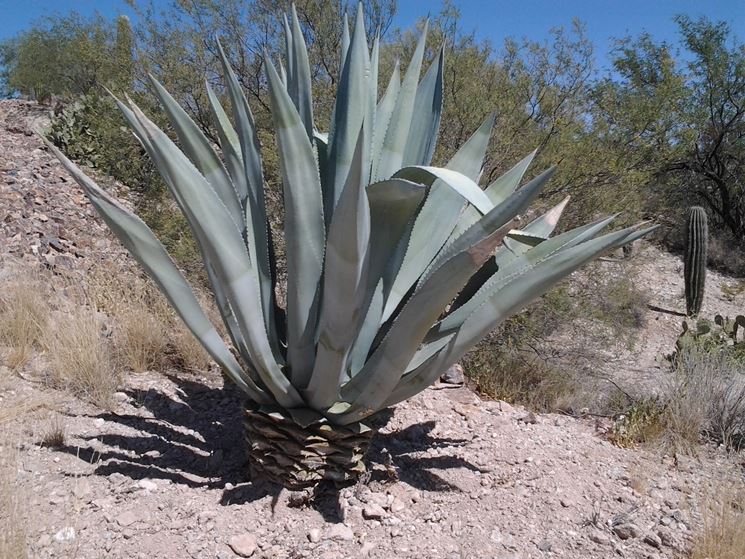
<point x="162" y="473"/>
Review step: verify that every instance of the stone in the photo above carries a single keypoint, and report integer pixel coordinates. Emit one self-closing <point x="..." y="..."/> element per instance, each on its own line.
<point x="314" y="535"/>
<point x="67" y="534"/>
<point x="599" y="538"/>
<point x="454" y="375"/>
<point x="397" y="505"/>
<point x="147" y="485"/>
<point x="529" y="418"/>
<point x="654" y="540"/>
<point x="127" y="518"/>
<point x="627" y="531"/>
<point x="373" y="512"/>
<point x="243" y="545"/>
<point x="339" y="532"/>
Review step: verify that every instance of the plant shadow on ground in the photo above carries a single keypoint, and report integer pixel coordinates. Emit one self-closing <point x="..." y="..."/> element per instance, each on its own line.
<point x="197" y="440"/>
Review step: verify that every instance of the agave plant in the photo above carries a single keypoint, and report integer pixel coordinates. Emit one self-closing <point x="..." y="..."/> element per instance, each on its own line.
<point x="395" y="268"/>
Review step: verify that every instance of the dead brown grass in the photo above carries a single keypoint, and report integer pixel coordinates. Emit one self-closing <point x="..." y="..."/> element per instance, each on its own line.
<point x="722" y="531"/>
<point x="13" y="533"/>
<point x="706" y="397"/>
<point x="23" y="316"/>
<point x="81" y="359"/>
<point x="54" y="433"/>
<point x="140" y="338"/>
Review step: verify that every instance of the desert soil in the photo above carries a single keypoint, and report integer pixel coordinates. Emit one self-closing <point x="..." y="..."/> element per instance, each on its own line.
<point x="163" y="474"/>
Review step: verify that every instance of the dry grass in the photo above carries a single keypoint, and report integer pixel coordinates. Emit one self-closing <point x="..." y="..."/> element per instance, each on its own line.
<point x="187" y="352"/>
<point x="13" y="534"/>
<point x="706" y="397"/>
<point x="80" y="357"/>
<point x="722" y="531"/>
<point x="54" y="432"/>
<point x="140" y="338"/>
<point x="23" y="316"/>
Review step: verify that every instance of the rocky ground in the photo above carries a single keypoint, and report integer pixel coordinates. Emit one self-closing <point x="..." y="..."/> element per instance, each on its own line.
<point x="163" y="473"/>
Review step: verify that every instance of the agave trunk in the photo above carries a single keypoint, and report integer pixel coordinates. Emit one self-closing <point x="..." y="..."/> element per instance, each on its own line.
<point x="297" y="456"/>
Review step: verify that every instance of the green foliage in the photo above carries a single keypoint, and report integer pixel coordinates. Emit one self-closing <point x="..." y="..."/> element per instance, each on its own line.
<point x="723" y="335"/>
<point x="642" y="422"/>
<point x="694" y="270"/>
<point x="67" y="56"/>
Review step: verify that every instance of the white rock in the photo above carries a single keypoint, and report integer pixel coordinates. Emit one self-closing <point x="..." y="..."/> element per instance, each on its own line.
<point x="148" y="485"/>
<point x="314" y="535"/>
<point x="340" y="532"/>
<point x="67" y="534"/>
<point x="243" y="544"/>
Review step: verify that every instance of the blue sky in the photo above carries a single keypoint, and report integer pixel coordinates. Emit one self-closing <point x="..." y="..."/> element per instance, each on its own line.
<point x="490" y="19"/>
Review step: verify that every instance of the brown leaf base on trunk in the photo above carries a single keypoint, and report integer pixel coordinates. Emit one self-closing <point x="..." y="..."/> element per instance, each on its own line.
<point x="299" y="449"/>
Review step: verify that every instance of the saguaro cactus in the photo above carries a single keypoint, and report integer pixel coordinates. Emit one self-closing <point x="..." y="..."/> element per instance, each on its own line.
<point x="697" y="239"/>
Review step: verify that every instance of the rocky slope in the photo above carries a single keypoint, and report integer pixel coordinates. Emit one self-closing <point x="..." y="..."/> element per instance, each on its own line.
<point x="163" y="474"/>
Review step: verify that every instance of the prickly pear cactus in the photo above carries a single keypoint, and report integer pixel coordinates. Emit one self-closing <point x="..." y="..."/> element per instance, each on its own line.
<point x="697" y="239"/>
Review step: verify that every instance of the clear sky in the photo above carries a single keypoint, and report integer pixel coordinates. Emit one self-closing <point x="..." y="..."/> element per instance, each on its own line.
<point x="491" y="19"/>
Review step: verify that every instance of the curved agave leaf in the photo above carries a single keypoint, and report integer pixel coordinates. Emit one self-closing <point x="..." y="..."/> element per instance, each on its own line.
<point x="498" y="191"/>
<point x="258" y="236"/>
<point x="505" y="211"/>
<point x="516" y="290"/>
<point x="149" y="252"/>
<point x="223" y="245"/>
<point x="438" y="217"/>
<point x="372" y="386"/>
<point x="393" y="205"/>
<point x="304" y="229"/>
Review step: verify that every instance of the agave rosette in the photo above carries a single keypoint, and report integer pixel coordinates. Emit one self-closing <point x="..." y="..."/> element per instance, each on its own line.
<point x="395" y="268"/>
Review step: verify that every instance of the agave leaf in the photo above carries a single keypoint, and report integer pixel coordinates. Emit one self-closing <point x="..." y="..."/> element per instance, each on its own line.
<point x="304" y="229"/>
<point x="393" y="205"/>
<point x="567" y="240"/>
<point x="217" y="289"/>
<point x="344" y="283"/>
<point x="300" y="90"/>
<point x="497" y="217"/>
<point x="536" y="231"/>
<point x="222" y="243"/>
<point x="397" y="133"/>
<point x="344" y="42"/>
<point x="541" y="227"/>
<point x="229" y="142"/>
<point x="373" y="385"/>
<point x="425" y="121"/>
<point x="498" y="191"/>
<point x="258" y="236"/>
<point x="197" y="147"/>
<point x="514" y="292"/>
<point x="349" y="111"/>
<point x="382" y="119"/>
<point x="289" y="53"/>
<point x="149" y="252"/>
<point x="459" y="182"/>
<point x="438" y="217"/>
